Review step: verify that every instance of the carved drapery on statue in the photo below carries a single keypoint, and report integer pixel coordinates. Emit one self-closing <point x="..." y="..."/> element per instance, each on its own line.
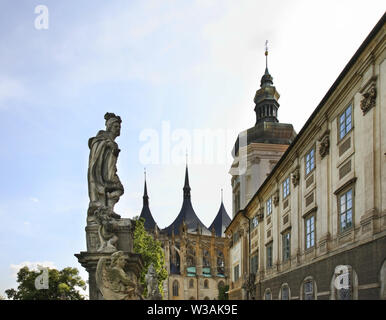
<point x="114" y="282"/>
<point x="104" y="186"/>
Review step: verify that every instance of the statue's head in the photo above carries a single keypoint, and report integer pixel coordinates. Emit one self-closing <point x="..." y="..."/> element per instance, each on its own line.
<point x="118" y="259"/>
<point x="113" y="123"/>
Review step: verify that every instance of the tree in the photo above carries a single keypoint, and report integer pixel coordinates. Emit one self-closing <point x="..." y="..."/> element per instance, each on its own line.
<point x="61" y="285"/>
<point x="151" y="252"/>
<point x="223" y="292"/>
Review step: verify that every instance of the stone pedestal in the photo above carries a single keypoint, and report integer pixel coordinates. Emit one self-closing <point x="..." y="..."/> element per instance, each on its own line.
<point x="89" y="259"/>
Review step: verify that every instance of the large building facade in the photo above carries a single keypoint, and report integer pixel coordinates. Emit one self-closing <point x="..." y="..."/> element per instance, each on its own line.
<point x="315" y="226"/>
<point x="195" y="256"/>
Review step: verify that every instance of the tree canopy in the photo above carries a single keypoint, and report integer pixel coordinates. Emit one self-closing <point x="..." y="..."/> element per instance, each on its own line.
<point x="62" y="285"/>
<point x="151" y="252"/>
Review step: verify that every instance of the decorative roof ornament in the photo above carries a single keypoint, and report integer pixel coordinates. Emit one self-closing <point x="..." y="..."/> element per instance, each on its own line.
<point x="266" y="79"/>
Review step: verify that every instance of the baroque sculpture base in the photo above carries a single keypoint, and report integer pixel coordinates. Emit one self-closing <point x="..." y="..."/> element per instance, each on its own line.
<point x="89" y="261"/>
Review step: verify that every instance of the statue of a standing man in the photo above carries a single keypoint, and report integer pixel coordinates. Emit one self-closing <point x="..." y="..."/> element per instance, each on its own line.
<point x="104" y="186"/>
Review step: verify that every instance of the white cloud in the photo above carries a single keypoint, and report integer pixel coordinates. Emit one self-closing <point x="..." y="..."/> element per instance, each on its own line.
<point x="34" y="199"/>
<point x="31" y="265"/>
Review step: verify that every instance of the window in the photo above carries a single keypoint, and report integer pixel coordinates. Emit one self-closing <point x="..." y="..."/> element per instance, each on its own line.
<point x="191" y="283"/>
<point x="175" y="288"/>
<point x="286" y="188"/>
<point x="220" y="263"/>
<point x="254" y="263"/>
<point x="345" y="122"/>
<point x="308" y="289"/>
<point x="310" y="161"/>
<point x="269" y="206"/>
<point x="310" y="231"/>
<point x="206" y="284"/>
<point x="286" y="246"/>
<point x="236" y="272"/>
<point x="268" y="295"/>
<point x="284" y="292"/>
<point x="269" y="255"/>
<point x="345" y="211"/>
<point x="254" y="222"/>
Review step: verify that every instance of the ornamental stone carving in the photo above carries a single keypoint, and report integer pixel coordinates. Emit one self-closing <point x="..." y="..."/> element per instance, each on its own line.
<point x="324" y="147"/>
<point x="295" y="177"/>
<point x="369" y="98"/>
<point x="114" y="282"/>
<point x="276" y="198"/>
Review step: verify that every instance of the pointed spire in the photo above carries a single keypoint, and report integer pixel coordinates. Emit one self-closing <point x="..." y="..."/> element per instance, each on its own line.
<point x="145" y="196"/>
<point x="222" y="196"/>
<point x="186" y="185"/>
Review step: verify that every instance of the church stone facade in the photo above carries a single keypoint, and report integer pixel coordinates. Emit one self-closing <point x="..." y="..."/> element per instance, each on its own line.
<point x="315" y="226"/>
<point x="195" y="256"/>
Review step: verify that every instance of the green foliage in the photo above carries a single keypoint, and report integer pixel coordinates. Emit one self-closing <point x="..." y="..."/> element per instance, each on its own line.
<point x="61" y="285"/>
<point x="222" y="292"/>
<point x="151" y="252"/>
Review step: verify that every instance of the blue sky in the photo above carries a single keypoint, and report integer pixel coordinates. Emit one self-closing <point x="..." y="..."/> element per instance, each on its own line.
<point x="189" y="65"/>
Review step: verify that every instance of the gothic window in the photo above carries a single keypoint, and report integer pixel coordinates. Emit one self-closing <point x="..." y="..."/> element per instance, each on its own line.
<point x="174" y="261"/>
<point x="345" y="122"/>
<point x="206" y="284"/>
<point x="191" y="257"/>
<point x="205" y="258"/>
<point x="286" y="246"/>
<point x="310" y="231"/>
<point x="220" y="263"/>
<point x="310" y="161"/>
<point x="286" y="188"/>
<point x="345" y="210"/>
<point x="175" y="288"/>
<point x="191" y="283"/>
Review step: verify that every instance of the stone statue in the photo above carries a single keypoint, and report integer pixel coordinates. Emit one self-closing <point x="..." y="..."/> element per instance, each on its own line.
<point x="107" y="225"/>
<point x="112" y="280"/>
<point x="151" y="279"/>
<point x="104" y="186"/>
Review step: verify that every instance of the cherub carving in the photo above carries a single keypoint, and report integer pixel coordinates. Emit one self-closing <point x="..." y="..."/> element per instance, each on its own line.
<point x="113" y="282"/>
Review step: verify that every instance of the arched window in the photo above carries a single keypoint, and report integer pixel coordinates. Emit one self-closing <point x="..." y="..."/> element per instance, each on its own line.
<point x="191" y="257"/>
<point x="206" y="298"/>
<point x="344" y="283"/>
<point x="285" y="292"/>
<point x="191" y="283"/>
<point x="267" y="294"/>
<point x="308" y="289"/>
<point x="175" y="288"/>
<point x="192" y="298"/>
<point x="206" y="284"/>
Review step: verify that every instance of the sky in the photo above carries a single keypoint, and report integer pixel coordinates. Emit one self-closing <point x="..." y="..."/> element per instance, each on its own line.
<point x="174" y="71"/>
